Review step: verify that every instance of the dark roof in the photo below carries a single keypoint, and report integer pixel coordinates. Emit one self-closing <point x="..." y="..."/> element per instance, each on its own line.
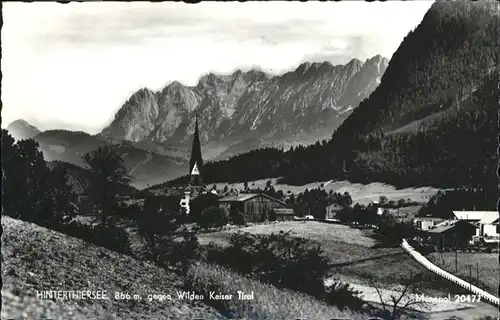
<point x="335" y="203"/>
<point x="428" y="218"/>
<point x="283" y="211"/>
<point x="242" y="197"/>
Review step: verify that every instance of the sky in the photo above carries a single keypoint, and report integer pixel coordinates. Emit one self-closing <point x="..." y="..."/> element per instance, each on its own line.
<point x="72" y="66"/>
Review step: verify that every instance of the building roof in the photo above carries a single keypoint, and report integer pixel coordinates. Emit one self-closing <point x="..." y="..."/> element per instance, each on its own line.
<point x="447" y="225"/>
<point x="284" y="211"/>
<point x="335" y="204"/>
<point x="428" y="218"/>
<point x="474" y="215"/>
<point x="242" y="197"/>
<point x="489" y="219"/>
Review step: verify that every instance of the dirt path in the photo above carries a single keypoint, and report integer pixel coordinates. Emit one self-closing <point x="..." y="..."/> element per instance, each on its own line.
<point x="369" y="294"/>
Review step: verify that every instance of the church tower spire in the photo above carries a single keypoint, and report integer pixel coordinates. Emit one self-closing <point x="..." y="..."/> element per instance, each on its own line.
<point x="196" y="162"/>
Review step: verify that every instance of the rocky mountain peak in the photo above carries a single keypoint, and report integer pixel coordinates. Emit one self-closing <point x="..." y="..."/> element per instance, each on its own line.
<point x="21" y="129"/>
<point x="241" y="102"/>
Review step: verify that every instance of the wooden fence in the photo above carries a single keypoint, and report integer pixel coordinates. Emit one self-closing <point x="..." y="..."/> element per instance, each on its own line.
<point x="432" y="267"/>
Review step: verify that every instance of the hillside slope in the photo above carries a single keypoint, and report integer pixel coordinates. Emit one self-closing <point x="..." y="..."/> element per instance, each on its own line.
<point x="35" y="258"/>
<point x="442" y="61"/>
<point x="146" y="167"/>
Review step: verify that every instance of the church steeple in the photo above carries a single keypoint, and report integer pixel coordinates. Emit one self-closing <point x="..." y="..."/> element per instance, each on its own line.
<point x="196" y="162"/>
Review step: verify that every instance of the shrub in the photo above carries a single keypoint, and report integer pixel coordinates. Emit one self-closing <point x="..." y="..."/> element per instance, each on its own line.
<point x="343" y="296"/>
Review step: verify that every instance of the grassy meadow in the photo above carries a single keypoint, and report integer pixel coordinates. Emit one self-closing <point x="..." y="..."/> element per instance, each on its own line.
<point x="489" y="269"/>
<point x="360" y="193"/>
<point x="353" y="253"/>
<point x="269" y="302"/>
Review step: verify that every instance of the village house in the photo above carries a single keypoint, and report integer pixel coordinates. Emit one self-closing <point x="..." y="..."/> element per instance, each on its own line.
<point x="284" y="214"/>
<point x="452" y="233"/>
<point x="426" y="223"/>
<point x="333" y="209"/>
<point x="255" y="207"/>
<point x="483" y="220"/>
<point x="487" y="226"/>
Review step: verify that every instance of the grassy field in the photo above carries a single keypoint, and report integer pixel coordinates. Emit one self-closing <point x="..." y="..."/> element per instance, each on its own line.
<point x="360" y="193"/>
<point x="36" y="258"/>
<point x="312" y="230"/>
<point x="352" y="253"/>
<point x="489" y="269"/>
<point x="269" y="302"/>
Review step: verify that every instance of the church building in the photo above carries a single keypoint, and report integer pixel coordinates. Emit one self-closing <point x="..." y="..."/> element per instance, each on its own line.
<point x="196" y="161"/>
<point x="195" y="170"/>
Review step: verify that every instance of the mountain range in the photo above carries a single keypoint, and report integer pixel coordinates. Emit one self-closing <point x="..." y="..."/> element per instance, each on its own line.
<point x="432" y="121"/>
<point x="236" y="113"/>
<point x="245" y="110"/>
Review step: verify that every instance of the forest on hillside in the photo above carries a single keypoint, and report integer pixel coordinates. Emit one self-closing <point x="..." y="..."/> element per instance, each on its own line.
<point x="432" y="121"/>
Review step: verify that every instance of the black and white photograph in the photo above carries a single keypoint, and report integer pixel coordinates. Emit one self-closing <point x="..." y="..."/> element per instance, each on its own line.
<point x="293" y="160"/>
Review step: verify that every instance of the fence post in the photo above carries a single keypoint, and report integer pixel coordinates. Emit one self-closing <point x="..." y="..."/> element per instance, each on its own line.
<point x="470" y="276"/>
<point x="477" y="268"/>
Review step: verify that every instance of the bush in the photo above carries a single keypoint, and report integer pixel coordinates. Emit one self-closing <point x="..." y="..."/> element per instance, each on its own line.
<point x="277" y="259"/>
<point x="272" y="216"/>
<point x="185" y="252"/>
<point x="201" y="202"/>
<point x="212" y="217"/>
<point x="343" y="296"/>
<point x="110" y="237"/>
<point x="391" y="232"/>
<point x="238" y="219"/>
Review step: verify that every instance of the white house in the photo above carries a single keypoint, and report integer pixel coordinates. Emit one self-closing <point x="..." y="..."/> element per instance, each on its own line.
<point x="483" y="220"/>
<point x="426" y="223"/>
<point x="487" y="227"/>
<point x="184" y="203"/>
<point x="333" y="209"/>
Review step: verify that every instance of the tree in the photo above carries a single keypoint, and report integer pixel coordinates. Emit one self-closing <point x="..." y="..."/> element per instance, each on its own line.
<point x="201" y="202"/>
<point x="268" y="184"/>
<point x="109" y="174"/>
<point x="212" y="217"/>
<point x="30" y="191"/>
<point x="402" y="301"/>
<point x="64" y="201"/>
<point x="383" y="199"/>
<point x="238" y="218"/>
<point x="158" y="228"/>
